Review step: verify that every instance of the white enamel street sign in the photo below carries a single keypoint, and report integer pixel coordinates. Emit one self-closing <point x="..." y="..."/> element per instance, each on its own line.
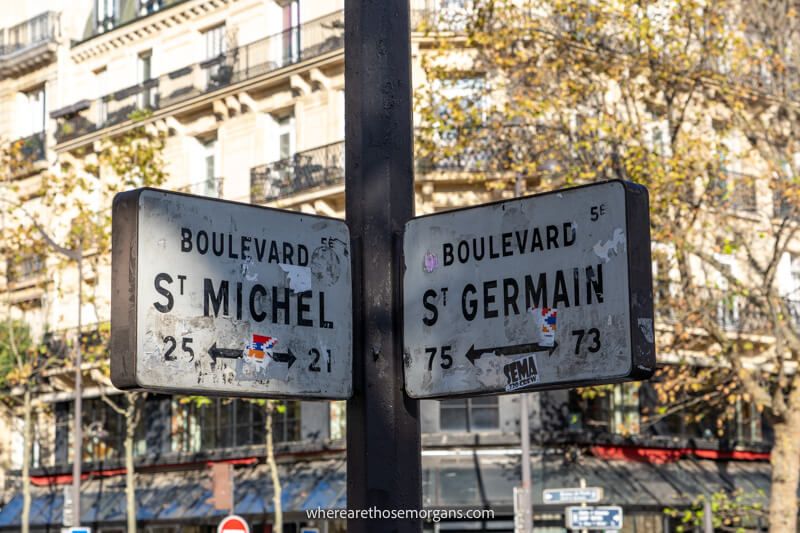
<point x="572" y="495"/>
<point x="217" y="297"/>
<point x="548" y="291"/>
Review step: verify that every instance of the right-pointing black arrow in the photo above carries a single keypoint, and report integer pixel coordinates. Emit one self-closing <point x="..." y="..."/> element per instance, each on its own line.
<point x="473" y="354"/>
<point x="226" y="353"/>
<point x="287" y="357"/>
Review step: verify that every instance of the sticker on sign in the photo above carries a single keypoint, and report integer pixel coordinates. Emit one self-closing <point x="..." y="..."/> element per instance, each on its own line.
<point x="547" y="291"/>
<point x="216" y="297"/>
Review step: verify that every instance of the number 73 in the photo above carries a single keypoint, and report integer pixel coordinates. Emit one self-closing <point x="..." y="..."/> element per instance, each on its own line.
<point x="593" y="334"/>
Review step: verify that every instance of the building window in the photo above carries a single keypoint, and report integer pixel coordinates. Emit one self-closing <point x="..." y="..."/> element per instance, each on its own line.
<point x="226" y="424"/>
<point x="460" y="95"/>
<point x="605" y="410"/>
<point x="147" y="95"/>
<point x="148" y="7"/>
<point x="211" y="174"/>
<point x="699" y="415"/>
<point x="106" y="12"/>
<point x="455" y="14"/>
<point x="24" y="269"/>
<point x="38" y="445"/>
<point x="104" y="430"/>
<point x="32" y="112"/>
<point x="286" y="137"/>
<point x="589" y="412"/>
<point x="286" y="422"/>
<point x="732" y="188"/>
<point x="471" y="414"/>
<point x="218" y="67"/>
<point x="338" y="420"/>
<point x="214" y="40"/>
<point x="205" y="176"/>
<point x="291" y="33"/>
<point x="464" y="147"/>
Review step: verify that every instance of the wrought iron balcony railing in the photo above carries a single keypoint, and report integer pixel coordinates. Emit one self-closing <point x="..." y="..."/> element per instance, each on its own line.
<point x="32" y="147"/>
<point x="25" y="152"/>
<point x="731" y="312"/>
<point x="304" y="171"/>
<point x="311" y="39"/>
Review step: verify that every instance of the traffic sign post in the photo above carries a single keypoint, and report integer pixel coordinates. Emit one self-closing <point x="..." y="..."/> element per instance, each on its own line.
<point x="572" y="495"/>
<point x="233" y="524"/>
<point x="383" y="434"/>
<point x="601" y="517"/>
<point x="217" y="297"/>
<point x="522" y="510"/>
<point x="548" y="291"/>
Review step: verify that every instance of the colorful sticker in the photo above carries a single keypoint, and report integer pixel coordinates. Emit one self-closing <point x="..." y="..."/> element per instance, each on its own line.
<point x="430" y="263"/>
<point x="546" y="321"/>
<point x="260" y="348"/>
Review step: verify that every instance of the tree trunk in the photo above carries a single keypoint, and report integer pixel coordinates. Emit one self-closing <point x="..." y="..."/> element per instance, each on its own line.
<point x="277" y="495"/>
<point x="785" y="462"/>
<point x="26" y="460"/>
<point x="130" y="474"/>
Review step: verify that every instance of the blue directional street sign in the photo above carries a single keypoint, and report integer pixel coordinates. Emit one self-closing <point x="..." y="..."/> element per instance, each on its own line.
<point x="572" y="495"/>
<point x="599" y="517"/>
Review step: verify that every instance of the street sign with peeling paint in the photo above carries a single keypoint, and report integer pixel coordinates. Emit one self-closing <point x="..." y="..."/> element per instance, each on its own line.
<point x="217" y="297"/>
<point x="547" y="291"/>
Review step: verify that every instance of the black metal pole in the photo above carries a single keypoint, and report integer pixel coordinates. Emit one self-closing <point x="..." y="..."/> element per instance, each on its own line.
<point x="383" y="438"/>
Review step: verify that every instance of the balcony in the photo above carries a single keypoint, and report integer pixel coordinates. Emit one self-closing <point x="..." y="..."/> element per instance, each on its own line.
<point x="27" y="155"/>
<point x="732" y="313"/>
<point x="292" y="46"/>
<point x="32" y="147"/>
<point x="28" y="45"/>
<point x="304" y="171"/>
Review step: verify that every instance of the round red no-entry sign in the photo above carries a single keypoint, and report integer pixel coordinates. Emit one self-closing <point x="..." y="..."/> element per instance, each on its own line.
<point x="233" y="524"/>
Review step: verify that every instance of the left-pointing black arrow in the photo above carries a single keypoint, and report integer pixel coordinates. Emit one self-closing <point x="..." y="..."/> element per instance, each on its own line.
<point x="473" y="354"/>
<point x="226" y="353"/>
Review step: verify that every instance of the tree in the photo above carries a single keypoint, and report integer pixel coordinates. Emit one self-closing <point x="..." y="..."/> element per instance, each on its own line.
<point x="76" y="233"/>
<point x="131" y="411"/>
<point x="134" y="158"/>
<point x="22" y="364"/>
<point x="22" y="361"/>
<point x="696" y="100"/>
<point x="735" y="511"/>
<point x="271" y="407"/>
